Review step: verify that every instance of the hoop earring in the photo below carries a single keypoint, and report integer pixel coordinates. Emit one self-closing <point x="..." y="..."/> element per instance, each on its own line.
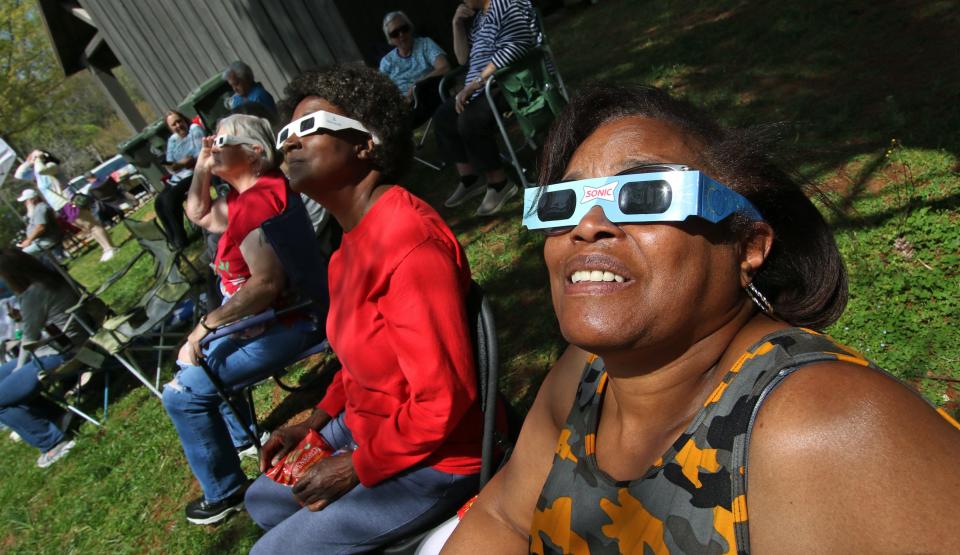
<point x="758" y="299"/>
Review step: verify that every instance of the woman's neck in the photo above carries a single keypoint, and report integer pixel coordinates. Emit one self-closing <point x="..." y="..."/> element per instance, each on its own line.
<point x="241" y="182"/>
<point x="348" y="204"/>
<point x="649" y="389"/>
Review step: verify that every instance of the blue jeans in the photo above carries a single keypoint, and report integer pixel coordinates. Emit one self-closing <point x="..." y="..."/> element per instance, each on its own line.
<point x="19" y="409"/>
<point x="364" y="518"/>
<point x="209" y="431"/>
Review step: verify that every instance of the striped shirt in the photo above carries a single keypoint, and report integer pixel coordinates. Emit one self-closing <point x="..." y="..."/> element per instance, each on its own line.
<point x="501" y="35"/>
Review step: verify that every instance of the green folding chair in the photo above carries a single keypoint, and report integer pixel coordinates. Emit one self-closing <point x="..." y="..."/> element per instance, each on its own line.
<point x="144" y="327"/>
<point x="533" y="89"/>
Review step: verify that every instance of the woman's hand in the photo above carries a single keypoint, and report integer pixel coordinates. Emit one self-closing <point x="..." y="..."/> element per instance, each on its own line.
<point x="281" y="442"/>
<point x="191" y="351"/>
<point x="463" y="13"/>
<point x="205" y="158"/>
<point x="463" y="97"/>
<point x="324" y="482"/>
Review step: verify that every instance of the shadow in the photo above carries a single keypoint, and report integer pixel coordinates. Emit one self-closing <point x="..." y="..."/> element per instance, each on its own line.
<point x="237" y="529"/>
<point x="950" y="203"/>
<point x="315" y="381"/>
<point x="858" y="73"/>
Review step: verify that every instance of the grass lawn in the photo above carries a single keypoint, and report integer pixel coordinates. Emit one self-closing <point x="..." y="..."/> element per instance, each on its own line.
<point x="869" y="92"/>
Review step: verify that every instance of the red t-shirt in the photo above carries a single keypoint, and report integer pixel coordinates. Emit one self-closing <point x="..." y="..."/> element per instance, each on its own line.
<point x="245" y="212"/>
<point x="398" y="323"/>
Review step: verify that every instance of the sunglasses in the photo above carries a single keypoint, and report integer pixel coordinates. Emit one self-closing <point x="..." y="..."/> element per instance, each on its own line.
<point x="403" y="29"/>
<point x="312" y="123"/>
<point x="653" y="193"/>
<point x="224" y="140"/>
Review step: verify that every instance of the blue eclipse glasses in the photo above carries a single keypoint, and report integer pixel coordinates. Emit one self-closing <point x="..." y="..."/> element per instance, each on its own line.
<point x="654" y="193"/>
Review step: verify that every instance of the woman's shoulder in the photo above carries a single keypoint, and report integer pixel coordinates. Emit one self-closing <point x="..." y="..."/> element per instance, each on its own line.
<point x="257" y="204"/>
<point x="839" y="440"/>
<point x="826" y="411"/>
<point x="411" y="220"/>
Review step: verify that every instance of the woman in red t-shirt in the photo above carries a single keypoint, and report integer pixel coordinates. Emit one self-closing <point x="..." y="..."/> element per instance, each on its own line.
<point x="252" y="279"/>
<point x="403" y="412"/>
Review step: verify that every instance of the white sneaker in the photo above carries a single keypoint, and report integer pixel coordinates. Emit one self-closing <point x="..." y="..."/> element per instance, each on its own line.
<point x="107" y="255"/>
<point x="58" y="452"/>
<point x="493" y="201"/>
<point x="463" y="193"/>
<point x="251" y="452"/>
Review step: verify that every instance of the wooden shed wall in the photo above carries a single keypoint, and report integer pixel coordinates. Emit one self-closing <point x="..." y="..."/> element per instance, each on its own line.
<point x="171" y="46"/>
<point x="365" y="21"/>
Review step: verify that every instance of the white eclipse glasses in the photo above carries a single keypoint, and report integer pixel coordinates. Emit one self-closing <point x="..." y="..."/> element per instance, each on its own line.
<point x="311" y="123"/>
<point x="224" y="140"/>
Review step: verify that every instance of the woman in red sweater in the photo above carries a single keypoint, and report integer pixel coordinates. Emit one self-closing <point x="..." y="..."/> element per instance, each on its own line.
<point x="403" y="411"/>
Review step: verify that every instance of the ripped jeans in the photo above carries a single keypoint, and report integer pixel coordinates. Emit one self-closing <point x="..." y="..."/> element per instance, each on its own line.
<point x="209" y="431"/>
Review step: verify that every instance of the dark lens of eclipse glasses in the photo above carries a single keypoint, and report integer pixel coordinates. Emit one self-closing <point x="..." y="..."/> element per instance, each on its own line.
<point x="306" y="125"/>
<point x="401" y="29"/>
<point x="556" y="205"/>
<point x="645" y="197"/>
<point x="283" y="135"/>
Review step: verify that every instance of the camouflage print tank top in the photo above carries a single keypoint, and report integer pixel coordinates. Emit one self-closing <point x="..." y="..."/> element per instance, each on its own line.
<point x="694" y="498"/>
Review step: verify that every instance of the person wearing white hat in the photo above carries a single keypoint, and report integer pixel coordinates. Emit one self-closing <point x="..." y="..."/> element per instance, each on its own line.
<point x="44" y="168"/>
<point x="43" y="232"/>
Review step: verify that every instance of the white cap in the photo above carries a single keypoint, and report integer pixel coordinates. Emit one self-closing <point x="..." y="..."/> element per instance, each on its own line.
<point x="27" y="194"/>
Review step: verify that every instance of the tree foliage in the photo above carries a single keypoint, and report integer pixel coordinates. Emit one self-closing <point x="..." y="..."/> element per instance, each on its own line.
<point x="41" y="108"/>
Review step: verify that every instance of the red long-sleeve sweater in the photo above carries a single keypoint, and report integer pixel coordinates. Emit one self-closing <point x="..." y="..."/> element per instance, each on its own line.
<point x="398" y="324"/>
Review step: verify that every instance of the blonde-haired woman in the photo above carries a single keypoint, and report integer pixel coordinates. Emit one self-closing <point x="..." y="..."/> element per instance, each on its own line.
<point x="252" y="280"/>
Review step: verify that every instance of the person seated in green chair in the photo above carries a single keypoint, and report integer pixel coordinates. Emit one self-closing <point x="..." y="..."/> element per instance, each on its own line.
<point x="44" y="298"/>
<point x="501" y="32"/>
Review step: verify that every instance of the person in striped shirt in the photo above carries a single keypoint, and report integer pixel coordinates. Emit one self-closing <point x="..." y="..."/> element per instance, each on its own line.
<point x="501" y="32"/>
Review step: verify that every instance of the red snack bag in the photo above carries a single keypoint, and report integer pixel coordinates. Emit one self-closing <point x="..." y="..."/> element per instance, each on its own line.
<point x="292" y="466"/>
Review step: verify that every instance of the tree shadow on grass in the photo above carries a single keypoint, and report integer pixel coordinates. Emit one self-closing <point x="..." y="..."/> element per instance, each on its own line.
<point x="857" y="73"/>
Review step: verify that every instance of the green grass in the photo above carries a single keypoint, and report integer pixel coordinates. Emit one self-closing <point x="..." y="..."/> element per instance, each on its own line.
<point x="849" y="77"/>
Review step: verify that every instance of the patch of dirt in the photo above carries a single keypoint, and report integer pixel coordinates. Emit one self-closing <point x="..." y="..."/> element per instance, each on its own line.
<point x="847" y="175"/>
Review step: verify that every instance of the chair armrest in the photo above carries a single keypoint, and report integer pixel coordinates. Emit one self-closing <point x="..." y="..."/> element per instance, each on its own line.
<point x="32" y="345"/>
<point x="239" y="325"/>
<point x="448" y="80"/>
<point x="250" y="321"/>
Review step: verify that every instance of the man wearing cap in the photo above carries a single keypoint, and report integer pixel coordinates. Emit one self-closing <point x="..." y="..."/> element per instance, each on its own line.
<point x="43" y="232"/>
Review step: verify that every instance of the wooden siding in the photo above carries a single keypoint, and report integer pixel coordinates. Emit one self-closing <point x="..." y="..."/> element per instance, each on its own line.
<point x="171" y="46"/>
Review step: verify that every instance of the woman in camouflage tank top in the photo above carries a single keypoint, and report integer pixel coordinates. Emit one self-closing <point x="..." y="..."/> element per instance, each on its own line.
<point x="647" y="435"/>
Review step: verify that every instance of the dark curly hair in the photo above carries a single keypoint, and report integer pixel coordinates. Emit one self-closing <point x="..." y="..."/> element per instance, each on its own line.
<point x="804" y="276"/>
<point x="369" y="97"/>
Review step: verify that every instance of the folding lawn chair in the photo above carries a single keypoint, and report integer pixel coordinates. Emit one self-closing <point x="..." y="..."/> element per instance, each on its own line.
<point x="124" y="334"/>
<point x="533" y="91"/>
<point x="419" y="90"/>
<point x="305" y="263"/>
<point x="83" y="360"/>
<point x="484" y="336"/>
<point x="535" y="95"/>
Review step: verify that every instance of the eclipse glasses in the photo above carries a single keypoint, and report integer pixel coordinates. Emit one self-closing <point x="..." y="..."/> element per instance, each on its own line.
<point x="654" y="193"/>
<point x="312" y="123"/>
<point x="224" y="140"/>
